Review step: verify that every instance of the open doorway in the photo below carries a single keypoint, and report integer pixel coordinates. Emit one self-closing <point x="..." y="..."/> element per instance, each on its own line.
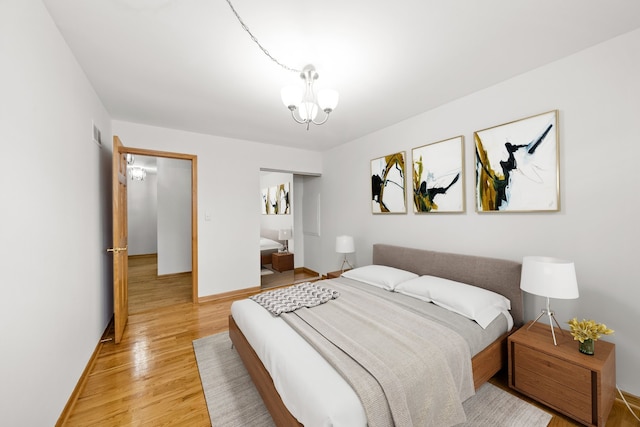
<point x="160" y="276"/>
<point x="282" y="240"/>
<point x="159" y="230"/>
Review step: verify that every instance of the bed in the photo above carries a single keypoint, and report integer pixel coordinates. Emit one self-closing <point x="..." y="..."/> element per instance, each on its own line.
<point x="276" y="388"/>
<point x="268" y="245"/>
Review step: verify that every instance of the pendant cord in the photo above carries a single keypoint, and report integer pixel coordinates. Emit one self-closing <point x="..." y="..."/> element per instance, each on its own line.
<point x="266" y="52"/>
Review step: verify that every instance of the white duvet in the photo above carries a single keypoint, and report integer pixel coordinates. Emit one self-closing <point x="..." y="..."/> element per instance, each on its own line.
<point x="324" y="398"/>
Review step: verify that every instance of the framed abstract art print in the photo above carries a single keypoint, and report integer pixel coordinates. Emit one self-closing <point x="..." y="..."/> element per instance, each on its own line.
<point x="388" y="194"/>
<point x="517" y="167"/>
<point x="438" y="180"/>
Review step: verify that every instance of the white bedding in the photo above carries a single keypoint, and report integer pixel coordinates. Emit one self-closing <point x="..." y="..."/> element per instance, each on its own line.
<point x="323" y="398"/>
<point x="268" y="244"/>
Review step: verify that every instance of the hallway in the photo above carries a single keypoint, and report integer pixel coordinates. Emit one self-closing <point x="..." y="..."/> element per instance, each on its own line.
<point x="148" y="291"/>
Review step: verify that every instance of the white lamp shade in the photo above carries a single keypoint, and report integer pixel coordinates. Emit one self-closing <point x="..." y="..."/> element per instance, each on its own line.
<point x="291" y="95"/>
<point x="285" y="234"/>
<point x="344" y="245"/>
<point x="328" y="99"/>
<point x="549" y="277"/>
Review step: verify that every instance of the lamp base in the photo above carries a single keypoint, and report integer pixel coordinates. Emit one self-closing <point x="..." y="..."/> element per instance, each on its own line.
<point x="345" y="261"/>
<point x="551" y="317"/>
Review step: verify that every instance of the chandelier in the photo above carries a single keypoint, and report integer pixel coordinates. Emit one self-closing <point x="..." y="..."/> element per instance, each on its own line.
<point x="137" y="173"/>
<point x="306" y="102"/>
<point x="303" y="103"/>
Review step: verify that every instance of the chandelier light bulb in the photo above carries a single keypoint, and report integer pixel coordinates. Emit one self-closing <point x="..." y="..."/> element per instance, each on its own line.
<point x="328" y="99"/>
<point x="291" y="96"/>
<point x="137" y="174"/>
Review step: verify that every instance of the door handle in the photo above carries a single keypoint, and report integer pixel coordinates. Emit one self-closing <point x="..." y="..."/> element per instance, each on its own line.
<point x="117" y="250"/>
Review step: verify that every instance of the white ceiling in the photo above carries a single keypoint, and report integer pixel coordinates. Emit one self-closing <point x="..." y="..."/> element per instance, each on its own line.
<point x="188" y="64"/>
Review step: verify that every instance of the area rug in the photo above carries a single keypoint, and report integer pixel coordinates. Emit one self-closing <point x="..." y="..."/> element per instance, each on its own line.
<point x="233" y="401"/>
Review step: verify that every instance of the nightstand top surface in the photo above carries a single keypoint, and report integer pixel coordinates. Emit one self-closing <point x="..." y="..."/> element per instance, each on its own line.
<point x="539" y="337"/>
<point x="282" y="253"/>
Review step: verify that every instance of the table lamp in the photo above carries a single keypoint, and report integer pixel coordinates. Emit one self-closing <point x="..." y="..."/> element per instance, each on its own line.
<point x="344" y="245"/>
<point x="285" y="234"/>
<point x="550" y="278"/>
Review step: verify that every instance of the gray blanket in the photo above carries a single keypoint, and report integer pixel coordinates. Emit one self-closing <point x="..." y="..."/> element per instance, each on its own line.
<point x="406" y="369"/>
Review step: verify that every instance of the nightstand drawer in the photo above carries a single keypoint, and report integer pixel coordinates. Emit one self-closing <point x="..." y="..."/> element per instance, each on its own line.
<point x="555" y="394"/>
<point x="564" y="372"/>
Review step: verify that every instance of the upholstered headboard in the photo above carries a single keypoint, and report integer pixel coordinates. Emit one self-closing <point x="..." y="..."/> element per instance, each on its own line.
<point x="497" y="275"/>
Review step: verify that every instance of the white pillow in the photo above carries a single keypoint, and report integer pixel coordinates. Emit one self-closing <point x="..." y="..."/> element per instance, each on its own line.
<point x="472" y="302"/>
<point x="381" y="276"/>
<point x="416" y="288"/>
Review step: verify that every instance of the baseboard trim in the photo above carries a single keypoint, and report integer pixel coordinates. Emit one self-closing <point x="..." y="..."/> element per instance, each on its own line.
<point x="173" y="275"/>
<point x="71" y="403"/>
<point x="634" y="401"/>
<point x="139" y="256"/>
<point x="229" y="296"/>
<point x="306" y="270"/>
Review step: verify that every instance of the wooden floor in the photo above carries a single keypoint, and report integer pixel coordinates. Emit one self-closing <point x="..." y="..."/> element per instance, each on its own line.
<point x="276" y="279"/>
<point x="149" y="291"/>
<point x="151" y="377"/>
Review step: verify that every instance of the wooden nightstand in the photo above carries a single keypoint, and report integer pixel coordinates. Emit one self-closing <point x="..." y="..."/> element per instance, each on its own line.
<point x="282" y="261"/>
<point x="575" y="384"/>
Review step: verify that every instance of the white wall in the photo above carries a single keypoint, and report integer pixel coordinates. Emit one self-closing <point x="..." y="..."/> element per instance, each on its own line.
<point x="174" y="216"/>
<point x="55" y="210"/>
<point x="597" y="93"/>
<point x="142" y="215"/>
<point x="228" y="188"/>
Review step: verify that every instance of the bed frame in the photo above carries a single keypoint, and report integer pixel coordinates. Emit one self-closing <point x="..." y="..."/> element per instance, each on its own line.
<point x="265" y="255"/>
<point x="501" y="276"/>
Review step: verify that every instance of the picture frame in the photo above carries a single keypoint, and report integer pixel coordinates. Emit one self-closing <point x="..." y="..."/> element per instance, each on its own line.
<point x="284" y="205"/>
<point x="264" y="203"/>
<point x="388" y="184"/>
<point x="438" y="177"/>
<point x="276" y="200"/>
<point x="517" y="166"/>
<point x="272" y="209"/>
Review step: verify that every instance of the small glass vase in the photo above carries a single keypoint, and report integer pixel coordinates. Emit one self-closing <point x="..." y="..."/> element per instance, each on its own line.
<point x="587" y="347"/>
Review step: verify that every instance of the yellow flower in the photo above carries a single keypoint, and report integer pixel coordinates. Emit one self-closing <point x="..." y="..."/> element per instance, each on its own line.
<point x="587" y="329"/>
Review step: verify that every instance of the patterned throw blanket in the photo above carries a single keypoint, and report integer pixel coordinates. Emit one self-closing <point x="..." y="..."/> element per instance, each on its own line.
<point x="292" y="298"/>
